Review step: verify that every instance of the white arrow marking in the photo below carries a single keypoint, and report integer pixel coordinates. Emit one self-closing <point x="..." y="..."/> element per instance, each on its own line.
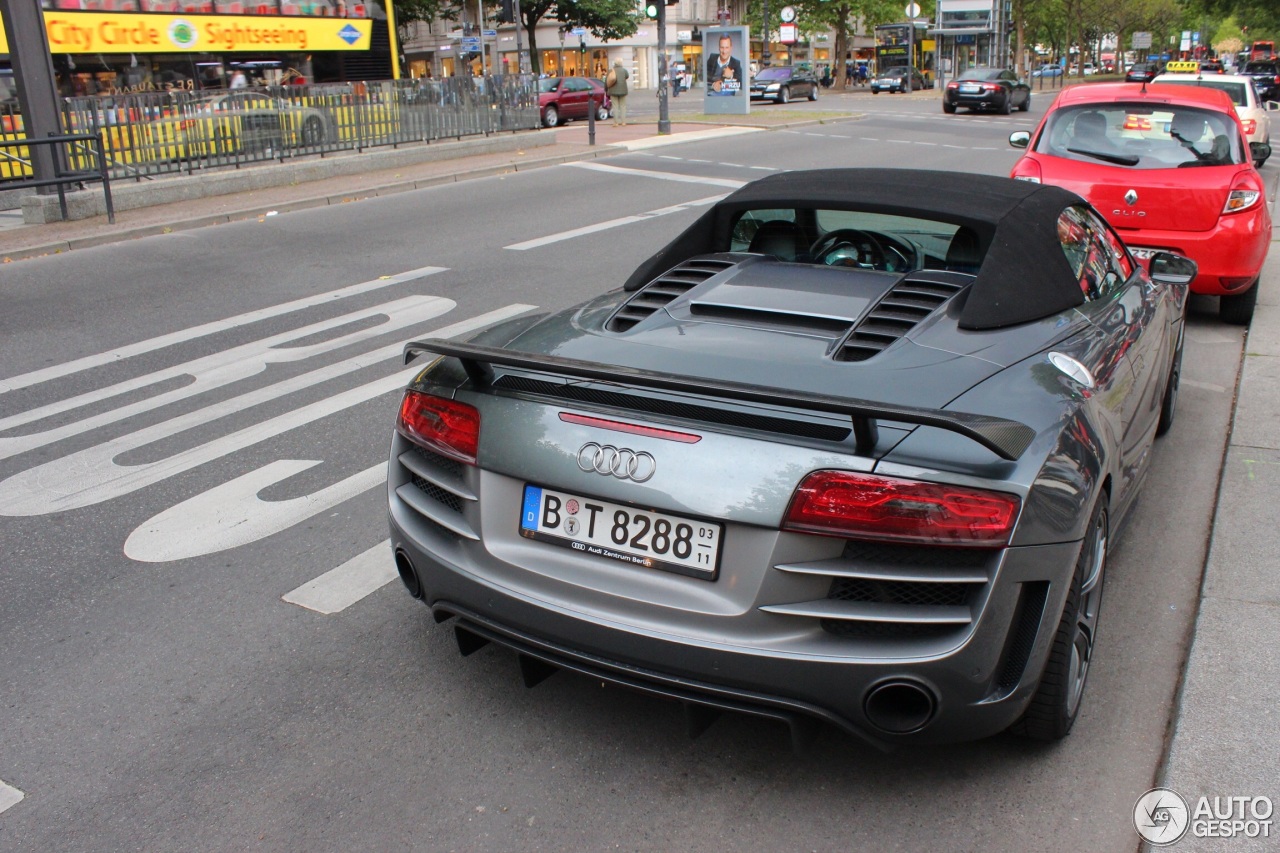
<point x="217" y="370"/>
<point x="339" y="588"/>
<point x="232" y="514"/>
<point x="91" y="476"/>
<point x="58" y="371"/>
<point x="11" y="796"/>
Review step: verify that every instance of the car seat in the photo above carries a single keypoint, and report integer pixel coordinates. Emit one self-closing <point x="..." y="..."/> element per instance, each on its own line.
<point x="1090" y="130"/>
<point x="782" y="239"/>
<point x="965" y="252"/>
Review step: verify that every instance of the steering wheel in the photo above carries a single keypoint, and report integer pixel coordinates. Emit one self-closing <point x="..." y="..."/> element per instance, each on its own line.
<point x="848" y="247"/>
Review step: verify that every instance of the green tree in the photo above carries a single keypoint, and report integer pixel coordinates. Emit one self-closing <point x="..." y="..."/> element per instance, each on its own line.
<point x="606" y="19"/>
<point x="410" y="12"/>
<point x="843" y="17"/>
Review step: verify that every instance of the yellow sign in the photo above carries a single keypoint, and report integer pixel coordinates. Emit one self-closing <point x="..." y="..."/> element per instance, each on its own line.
<point x="1180" y="66"/>
<point x="107" y="32"/>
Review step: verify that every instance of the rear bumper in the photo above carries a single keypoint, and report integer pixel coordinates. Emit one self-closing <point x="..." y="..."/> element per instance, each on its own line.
<point x="1234" y="251"/>
<point x="985" y="99"/>
<point x="980" y="678"/>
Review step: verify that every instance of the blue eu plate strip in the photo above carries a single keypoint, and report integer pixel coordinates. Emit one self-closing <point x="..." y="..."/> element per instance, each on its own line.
<point x="532" y="505"/>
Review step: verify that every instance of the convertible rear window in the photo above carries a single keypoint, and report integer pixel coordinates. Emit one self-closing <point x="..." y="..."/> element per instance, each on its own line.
<point x="861" y="239"/>
<point x="1143" y="136"/>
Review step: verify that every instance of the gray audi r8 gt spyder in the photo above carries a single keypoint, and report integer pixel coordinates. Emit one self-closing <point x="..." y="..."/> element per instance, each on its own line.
<point x="851" y="448"/>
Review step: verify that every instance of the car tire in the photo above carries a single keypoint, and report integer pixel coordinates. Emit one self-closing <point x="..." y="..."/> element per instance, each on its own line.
<point x="1026" y="103"/>
<point x="1238" y="309"/>
<point x="602" y="113"/>
<point x="1169" y="405"/>
<point x="949" y="109"/>
<point x="1006" y="106"/>
<point x="874" y="90"/>
<point x="1056" y="703"/>
<point x="550" y="116"/>
<point x="784" y="95"/>
<point x="312" y="131"/>
<point x="813" y="93"/>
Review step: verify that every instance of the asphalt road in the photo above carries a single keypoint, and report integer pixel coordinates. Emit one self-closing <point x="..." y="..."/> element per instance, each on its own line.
<point x="191" y="433"/>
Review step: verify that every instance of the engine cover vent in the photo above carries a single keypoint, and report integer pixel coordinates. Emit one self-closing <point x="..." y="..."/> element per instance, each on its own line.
<point x="901" y="310"/>
<point x="658" y="293"/>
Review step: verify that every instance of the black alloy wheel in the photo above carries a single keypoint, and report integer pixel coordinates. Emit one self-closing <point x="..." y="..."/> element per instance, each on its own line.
<point x="1006" y="106"/>
<point x="1056" y="703"/>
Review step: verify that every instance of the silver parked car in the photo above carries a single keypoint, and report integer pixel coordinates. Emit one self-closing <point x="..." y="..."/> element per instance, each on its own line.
<point x="852" y="448"/>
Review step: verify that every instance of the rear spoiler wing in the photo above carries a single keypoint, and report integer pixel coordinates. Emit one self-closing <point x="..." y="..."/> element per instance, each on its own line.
<point x="1007" y="439"/>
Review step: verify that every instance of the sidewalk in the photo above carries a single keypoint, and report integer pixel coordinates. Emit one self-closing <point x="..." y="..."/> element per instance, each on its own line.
<point x="1227" y="719"/>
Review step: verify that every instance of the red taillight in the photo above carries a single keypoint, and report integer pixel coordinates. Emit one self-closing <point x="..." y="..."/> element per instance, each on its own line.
<point x="991" y="87"/>
<point x="1026" y="169"/>
<point x="448" y="427"/>
<point x="864" y="506"/>
<point x="1246" y="193"/>
<point x="1133" y="122"/>
<point x="953" y="85"/>
<point x="1250" y="126"/>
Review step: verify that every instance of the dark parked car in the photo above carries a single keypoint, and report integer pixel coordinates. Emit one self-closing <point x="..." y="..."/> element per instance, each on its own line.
<point x="781" y="83"/>
<point x="1266" y="78"/>
<point x="853" y="447"/>
<point x="567" y="98"/>
<point x="895" y="80"/>
<point x="1142" y="72"/>
<point x="982" y="88"/>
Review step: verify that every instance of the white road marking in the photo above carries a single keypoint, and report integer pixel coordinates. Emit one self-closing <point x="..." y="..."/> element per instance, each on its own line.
<point x="9" y="796"/>
<point x="612" y="223"/>
<point x="764" y="168"/>
<point x="232" y="514"/>
<point x="698" y="161"/>
<point x="217" y="370"/>
<point x="66" y="369"/>
<point x="669" y="157"/>
<point x="1206" y="386"/>
<point x="92" y="476"/>
<point x="663" y="176"/>
<point x="732" y="165"/>
<point x="339" y="588"/>
<point x="690" y="136"/>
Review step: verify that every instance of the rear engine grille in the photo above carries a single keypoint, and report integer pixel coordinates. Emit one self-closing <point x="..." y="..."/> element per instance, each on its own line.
<point x="898" y="312"/>
<point x="883" y="591"/>
<point x="688" y="411"/>
<point x="436" y="493"/>
<point x="1022" y="638"/>
<point x="663" y="290"/>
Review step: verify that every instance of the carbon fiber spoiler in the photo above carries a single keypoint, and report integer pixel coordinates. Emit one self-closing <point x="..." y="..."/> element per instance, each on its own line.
<point x="1007" y="439"/>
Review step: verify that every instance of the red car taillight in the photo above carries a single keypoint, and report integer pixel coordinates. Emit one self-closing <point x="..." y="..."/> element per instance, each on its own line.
<point x="1133" y="122"/>
<point x="953" y="85"/>
<point x="448" y="427"/>
<point x="1245" y="193"/>
<point x="865" y="506"/>
<point x="1026" y="169"/>
<point x="1250" y="126"/>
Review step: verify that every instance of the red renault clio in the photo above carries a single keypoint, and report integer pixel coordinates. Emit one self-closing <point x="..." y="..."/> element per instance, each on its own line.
<point x="1169" y="167"/>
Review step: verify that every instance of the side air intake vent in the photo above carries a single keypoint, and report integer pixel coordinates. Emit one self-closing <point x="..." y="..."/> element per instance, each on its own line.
<point x="901" y="309"/>
<point x="658" y="293"/>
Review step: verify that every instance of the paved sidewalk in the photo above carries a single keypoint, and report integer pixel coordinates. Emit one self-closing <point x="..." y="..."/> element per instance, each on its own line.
<point x="1226" y="742"/>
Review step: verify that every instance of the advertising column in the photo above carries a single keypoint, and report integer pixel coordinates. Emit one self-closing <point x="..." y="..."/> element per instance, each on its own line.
<point x="728" y="84"/>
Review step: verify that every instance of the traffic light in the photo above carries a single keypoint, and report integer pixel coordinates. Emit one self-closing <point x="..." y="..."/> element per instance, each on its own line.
<point x="651" y="10"/>
<point x="508" y="13"/>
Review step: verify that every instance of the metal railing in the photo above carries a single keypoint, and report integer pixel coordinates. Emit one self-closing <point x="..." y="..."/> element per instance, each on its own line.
<point x="146" y="134"/>
<point x="68" y="150"/>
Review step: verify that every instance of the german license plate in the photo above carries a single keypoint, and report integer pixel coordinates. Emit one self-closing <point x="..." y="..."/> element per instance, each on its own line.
<point x="1144" y="254"/>
<point x="969" y="88"/>
<point x="640" y="537"/>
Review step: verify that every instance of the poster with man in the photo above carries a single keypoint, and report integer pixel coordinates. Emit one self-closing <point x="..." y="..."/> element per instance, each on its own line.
<point x="728" y="84"/>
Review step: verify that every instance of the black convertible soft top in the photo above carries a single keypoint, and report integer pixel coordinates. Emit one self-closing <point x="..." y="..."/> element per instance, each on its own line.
<point x="1025" y="275"/>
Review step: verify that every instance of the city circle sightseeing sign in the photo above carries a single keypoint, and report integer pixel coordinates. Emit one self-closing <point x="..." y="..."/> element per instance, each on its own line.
<point x="105" y="32"/>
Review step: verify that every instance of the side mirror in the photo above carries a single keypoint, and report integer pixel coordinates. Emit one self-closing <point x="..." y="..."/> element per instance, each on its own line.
<point x="1272" y="106"/>
<point x="1260" y="150"/>
<point x="1168" y="268"/>
<point x="1020" y="138"/>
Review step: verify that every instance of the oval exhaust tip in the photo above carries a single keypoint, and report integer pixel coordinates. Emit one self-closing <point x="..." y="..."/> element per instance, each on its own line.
<point x="408" y="576"/>
<point x="900" y="707"/>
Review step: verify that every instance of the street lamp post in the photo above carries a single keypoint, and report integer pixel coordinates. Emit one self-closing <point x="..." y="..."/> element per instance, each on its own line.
<point x="560" y="57"/>
<point x="664" y="117"/>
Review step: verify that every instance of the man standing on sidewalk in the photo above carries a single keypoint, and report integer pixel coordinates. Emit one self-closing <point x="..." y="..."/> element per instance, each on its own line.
<point x="616" y="85"/>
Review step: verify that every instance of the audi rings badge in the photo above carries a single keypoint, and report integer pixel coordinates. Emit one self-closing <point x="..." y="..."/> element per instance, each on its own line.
<point x="621" y="462"/>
